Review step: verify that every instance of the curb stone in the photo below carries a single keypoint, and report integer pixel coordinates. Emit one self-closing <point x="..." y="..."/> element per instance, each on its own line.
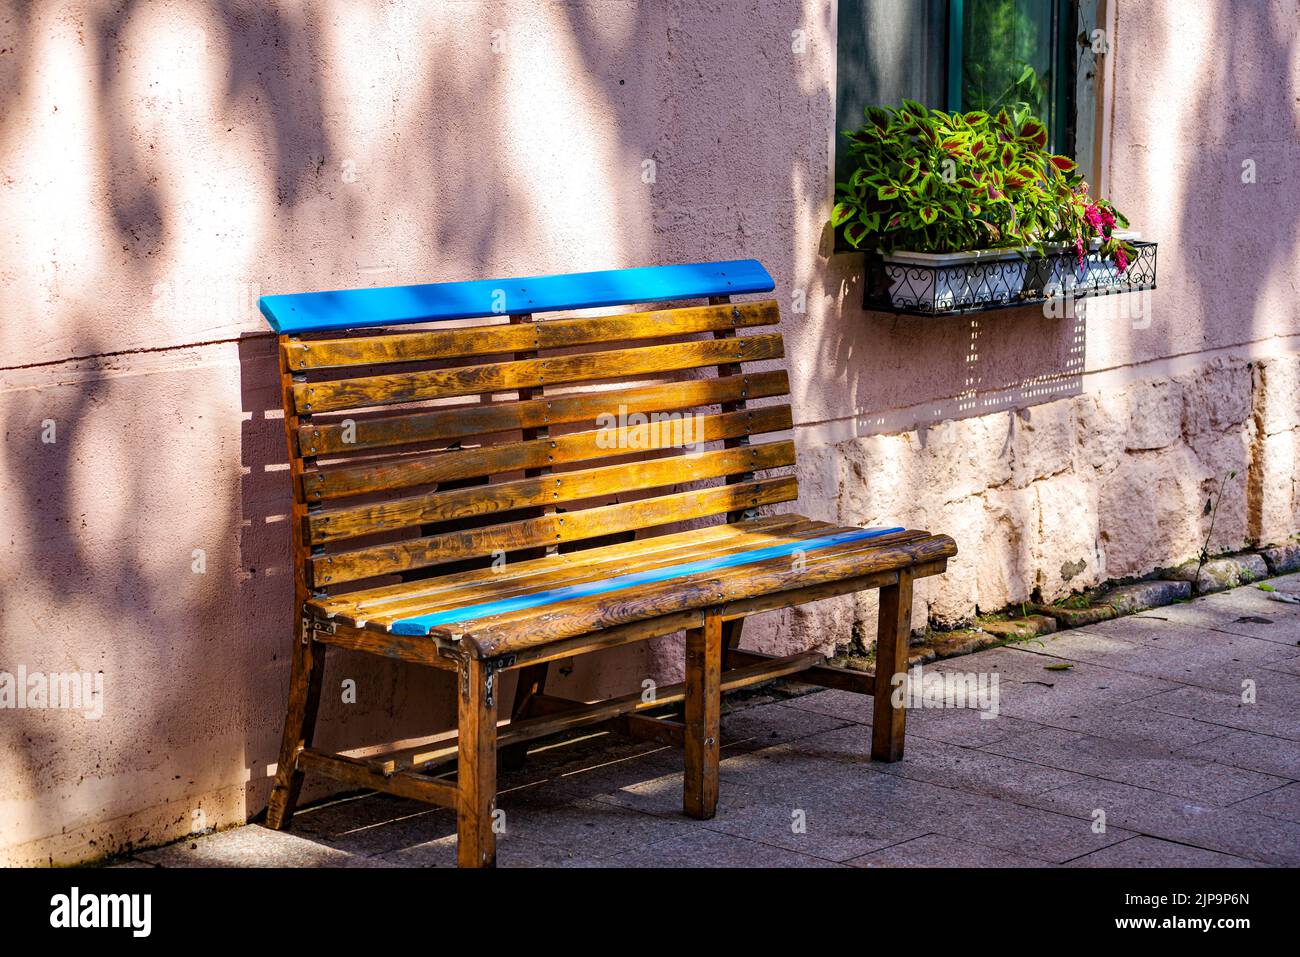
<point x="1222" y="573"/>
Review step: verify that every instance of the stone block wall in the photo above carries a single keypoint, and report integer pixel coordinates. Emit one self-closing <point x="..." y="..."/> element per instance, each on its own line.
<point x="1061" y="497"/>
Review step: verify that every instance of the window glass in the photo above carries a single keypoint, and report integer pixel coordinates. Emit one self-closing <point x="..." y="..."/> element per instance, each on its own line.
<point x="1009" y="56"/>
<point x="888" y="50"/>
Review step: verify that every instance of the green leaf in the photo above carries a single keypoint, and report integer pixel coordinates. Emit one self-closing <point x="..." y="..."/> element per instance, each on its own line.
<point x="841" y="214"/>
<point x="929" y="214"/>
<point x="1063" y="666"/>
<point x="1034" y="132"/>
<point x="916" y="109"/>
<point x="854" y="233"/>
<point x="887" y="192"/>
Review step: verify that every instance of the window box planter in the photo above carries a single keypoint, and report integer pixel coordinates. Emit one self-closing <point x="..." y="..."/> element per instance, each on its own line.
<point x="947" y="280"/>
<point x="926" y="284"/>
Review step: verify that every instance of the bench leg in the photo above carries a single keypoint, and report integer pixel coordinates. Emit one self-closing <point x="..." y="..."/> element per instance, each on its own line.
<point x="299" y="724"/>
<point x="476" y="772"/>
<point x="893" y="630"/>
<point x="703" y="716"/>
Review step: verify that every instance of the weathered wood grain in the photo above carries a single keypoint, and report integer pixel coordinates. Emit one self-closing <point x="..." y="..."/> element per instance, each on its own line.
<point x="574" y="526"/>
<point x="363" y="433"/>
<point x="331" y="525"/>
<point x="397" y="387"/>
<point x="417" y="470"/>
<point x="303" y="354"/>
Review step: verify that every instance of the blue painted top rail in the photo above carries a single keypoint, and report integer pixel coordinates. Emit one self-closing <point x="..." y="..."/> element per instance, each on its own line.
<point x="421" y="624"/>
<point x="394" y="305"/>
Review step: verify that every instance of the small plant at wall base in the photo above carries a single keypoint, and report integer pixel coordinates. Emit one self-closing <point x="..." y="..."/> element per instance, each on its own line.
<point x="933" y="182"/>
<point x="1212" y="510"/>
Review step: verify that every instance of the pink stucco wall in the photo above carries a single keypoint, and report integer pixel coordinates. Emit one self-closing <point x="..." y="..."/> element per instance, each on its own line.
<point x="163" y="163"/>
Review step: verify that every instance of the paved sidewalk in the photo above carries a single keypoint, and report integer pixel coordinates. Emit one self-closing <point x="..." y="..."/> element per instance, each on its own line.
<point x="1146" y="732"/>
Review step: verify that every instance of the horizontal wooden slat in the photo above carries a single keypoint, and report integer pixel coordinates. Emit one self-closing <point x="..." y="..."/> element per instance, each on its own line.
<point x="358" y="773"/>
<point x="333" y="525"/>
<point x="467" y="585"/>
<point x="547" y="529"/>
<point x="487" y="418"/>
<point x="426" y="469"/>
<point x="825" y="676"/>
<point x="368" y="391"/>
<point x="601" y="608"/>
<point x="303" y="354"/>
<point x="585" y="566"/>
<point x="520" y="631"/>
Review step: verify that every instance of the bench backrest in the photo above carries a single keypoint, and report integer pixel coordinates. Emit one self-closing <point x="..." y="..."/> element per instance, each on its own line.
<point x="415" y="452"/>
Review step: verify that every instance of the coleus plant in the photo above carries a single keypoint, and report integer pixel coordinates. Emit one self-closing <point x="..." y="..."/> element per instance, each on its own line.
<point x="930" y="181"/>
<point x="1095" y="220"/>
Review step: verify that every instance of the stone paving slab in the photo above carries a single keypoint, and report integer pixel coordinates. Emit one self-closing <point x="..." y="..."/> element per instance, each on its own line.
<point x="1290" y="666"/>
<point x="1273" y="713"/>
<point x="1018" y="828"/>
<point x="763" y="727"/>
<point x="1284" y="803"/>
<point x="1153" y="766"/>
<point x="1254" y="752"/>
<point x="253" y="846"/>
<point x="1243" y="611"/>
<point x="829" y="825"/>
<point x="968" y="769"/>
<point x="1140" y="726"/>
<point x="963" y="726"/>
<point x="1148" y="723"/>
<point x="1212" y="659"/>
<point x="1255" y="837"/>
<point x="710" y="848"/>
<point x="936" y="850"/>
<point x="1143" y="851"/>
<point x="1030" y="690"/>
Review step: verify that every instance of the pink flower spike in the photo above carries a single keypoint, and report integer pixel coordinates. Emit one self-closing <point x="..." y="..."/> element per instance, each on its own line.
<point x="1078" y="246"/>
<point x="1093" y="217"/>
<point x="1121" y="259"/>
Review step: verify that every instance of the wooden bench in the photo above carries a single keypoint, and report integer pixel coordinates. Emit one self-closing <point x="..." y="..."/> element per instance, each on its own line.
<point x="484" y="499"/>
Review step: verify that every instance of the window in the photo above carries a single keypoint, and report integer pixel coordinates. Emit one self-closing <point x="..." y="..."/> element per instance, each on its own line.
<point x="970" y="55"/>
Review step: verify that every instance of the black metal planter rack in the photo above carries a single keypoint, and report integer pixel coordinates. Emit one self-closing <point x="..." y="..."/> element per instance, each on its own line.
<point x="981" y="285"/>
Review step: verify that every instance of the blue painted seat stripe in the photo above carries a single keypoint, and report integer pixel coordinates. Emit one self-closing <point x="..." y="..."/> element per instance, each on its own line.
<point x="430" y="302"/>
<point x="421" y="624"/>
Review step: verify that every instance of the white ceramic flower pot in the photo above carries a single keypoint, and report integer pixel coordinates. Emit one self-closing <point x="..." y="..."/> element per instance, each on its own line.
<point x="937" y="281"/>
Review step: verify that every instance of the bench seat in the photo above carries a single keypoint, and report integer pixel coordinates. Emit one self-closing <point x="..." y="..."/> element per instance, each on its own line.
<point x="572" y="594"/>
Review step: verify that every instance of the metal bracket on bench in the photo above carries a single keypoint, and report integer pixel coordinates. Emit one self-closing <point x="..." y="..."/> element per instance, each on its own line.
<point x="311" y="626"/>
<point x="491" y="667"/>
